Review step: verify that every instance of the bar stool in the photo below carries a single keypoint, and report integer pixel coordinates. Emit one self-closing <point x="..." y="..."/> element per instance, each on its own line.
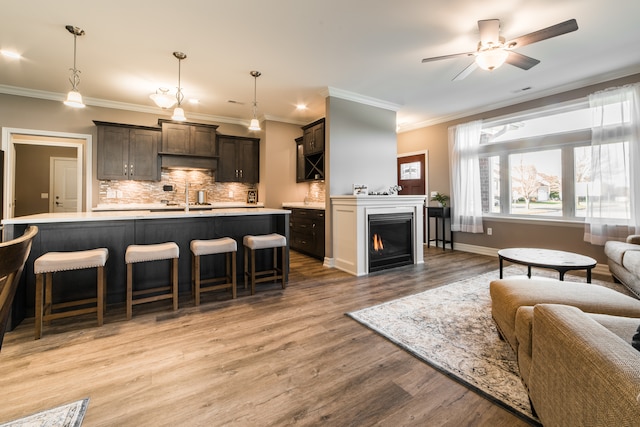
<point x="152" y="252"/>
<point x="225" y="245"/>
<point x="53" y="262"/>
<point x="266" y="241"/>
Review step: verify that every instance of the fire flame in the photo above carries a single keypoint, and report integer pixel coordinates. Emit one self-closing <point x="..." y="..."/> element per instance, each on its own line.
<point x="377" y="243"/>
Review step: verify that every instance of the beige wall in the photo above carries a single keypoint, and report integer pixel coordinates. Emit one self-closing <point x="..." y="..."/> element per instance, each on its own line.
<point x="512" y="232"/>
<point x="33" y="176"/>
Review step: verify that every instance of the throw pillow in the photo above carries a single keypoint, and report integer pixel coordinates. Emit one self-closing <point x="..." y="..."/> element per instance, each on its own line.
<point x="635" y="341"/>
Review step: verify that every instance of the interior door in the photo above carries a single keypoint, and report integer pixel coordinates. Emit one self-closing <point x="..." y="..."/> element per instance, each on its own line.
<point x="64" y="185"/>
<point x="412" y="177"/>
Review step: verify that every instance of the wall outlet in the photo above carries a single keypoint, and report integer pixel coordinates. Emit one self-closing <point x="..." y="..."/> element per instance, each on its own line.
<point x="119" y="194"/>
<point x="111" y="194"/>
<point x="230" y="194"/>
<point x="489" y="231"/>
<point x="44" y="195"/>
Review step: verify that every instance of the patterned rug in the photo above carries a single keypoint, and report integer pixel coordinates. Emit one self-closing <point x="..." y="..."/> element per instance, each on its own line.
<point x="451" y="329"/>
<point x="70" y="415"/>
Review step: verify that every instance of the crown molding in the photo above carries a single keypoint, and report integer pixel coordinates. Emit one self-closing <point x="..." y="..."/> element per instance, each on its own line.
<point x="579" y="84"/>
<point x="104" y="103"/>
<point x="362" y="99"/>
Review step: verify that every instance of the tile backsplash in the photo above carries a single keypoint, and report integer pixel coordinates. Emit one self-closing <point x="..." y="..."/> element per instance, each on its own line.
<point x="127" y="192"/>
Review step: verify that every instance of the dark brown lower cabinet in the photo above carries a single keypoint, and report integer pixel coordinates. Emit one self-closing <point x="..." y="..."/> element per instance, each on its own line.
<point x="306" y="227"/>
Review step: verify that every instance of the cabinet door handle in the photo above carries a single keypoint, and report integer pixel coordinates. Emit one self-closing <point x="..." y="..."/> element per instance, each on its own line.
<point x="125" y="169"/>
<point x="131" y="169"/>
<point x="236" y="173"/>
<point x="240" y="173"/>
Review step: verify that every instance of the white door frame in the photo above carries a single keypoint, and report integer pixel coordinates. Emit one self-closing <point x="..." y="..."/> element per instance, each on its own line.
<point x="82" y="144"/>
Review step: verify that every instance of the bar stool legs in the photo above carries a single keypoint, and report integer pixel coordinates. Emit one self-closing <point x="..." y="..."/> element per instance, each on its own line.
<point x="47" y="264"/>
<point x="199" y="248"/>
<point x="145" y="253"/>
<point x="268" y="241"/>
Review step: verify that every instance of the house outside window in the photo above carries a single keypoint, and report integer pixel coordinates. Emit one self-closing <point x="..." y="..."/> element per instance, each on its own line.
<point x="537" y="164"/>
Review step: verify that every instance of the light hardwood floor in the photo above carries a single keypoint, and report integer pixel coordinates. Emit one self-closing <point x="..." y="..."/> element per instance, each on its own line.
<point x="287" y="357"/>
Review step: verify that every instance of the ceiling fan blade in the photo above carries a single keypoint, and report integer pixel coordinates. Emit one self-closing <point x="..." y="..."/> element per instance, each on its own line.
<point x="546" y="33"/>
<point x="521" y="61"/>
<point x="489" y="32"/>
<point x="455" y="55"/>
<point x="464" y="73"/>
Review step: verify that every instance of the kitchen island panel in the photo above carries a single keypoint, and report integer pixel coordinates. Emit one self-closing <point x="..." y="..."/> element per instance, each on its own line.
<point x="77" y="284"/>
<point x="81" y="232"/>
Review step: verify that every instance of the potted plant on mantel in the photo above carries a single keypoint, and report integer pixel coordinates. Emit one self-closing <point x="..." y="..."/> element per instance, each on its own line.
<point x="442" y="199"/>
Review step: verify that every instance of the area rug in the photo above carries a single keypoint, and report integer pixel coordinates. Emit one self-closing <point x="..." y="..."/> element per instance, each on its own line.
<point x="69" y="415"/>
<point x="451" y="329"/>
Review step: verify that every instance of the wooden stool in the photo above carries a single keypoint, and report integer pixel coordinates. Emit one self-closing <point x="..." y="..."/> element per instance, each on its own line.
<point x="52" y="262"/>
<point x="267" y="241"/>
<point x="225" y="245"/>
<point x="145" y="253"/>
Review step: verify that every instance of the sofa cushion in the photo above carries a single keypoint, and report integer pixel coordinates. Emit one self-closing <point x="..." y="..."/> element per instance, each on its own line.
<point x="623" y="327"/>
<point x="631" y="261"/>
<point x="615" y="250"/>
<point x="511" y="293"/>
<point x="635" y="341"/>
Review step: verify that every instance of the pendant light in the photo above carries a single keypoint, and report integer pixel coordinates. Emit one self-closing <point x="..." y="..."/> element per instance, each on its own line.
<point x="255" y="124"/>
<point x="163" y="99"/>
<point x="178" y="113"/>
<point x="74" y="99"/>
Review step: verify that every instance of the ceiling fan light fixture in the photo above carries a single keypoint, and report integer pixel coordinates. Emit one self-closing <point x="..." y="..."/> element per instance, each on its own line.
<point x="74" y="99"/>
<point x="492" y="58"/>
<point x="163" y="99"/>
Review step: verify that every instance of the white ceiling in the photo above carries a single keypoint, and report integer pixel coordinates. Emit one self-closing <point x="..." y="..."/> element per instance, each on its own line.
<point x="362" y="49"/>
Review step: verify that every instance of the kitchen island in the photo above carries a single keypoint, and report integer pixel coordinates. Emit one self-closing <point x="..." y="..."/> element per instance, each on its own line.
<point x="116" y="230"/>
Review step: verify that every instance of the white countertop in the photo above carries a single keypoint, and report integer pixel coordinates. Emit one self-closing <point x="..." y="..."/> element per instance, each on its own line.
<point x="162" y="206"/>
<point x="303" y="205"/>
<point x="47" y="218"/>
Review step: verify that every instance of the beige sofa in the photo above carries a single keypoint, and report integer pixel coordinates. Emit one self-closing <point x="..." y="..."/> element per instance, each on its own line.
<point x="582" y="372"/>
<point x="516" y="304"/>
<point x="624" y="262"/>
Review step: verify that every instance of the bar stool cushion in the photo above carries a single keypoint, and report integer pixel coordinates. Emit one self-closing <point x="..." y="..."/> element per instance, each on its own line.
<point x="273" y="240"/>
<point x="213" y="246"/>
<point x="153" y="252"/>
<point x="64" y="261"/>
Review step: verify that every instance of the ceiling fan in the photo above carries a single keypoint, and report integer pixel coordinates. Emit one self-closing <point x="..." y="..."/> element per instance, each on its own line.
<point x="493" y="51"/>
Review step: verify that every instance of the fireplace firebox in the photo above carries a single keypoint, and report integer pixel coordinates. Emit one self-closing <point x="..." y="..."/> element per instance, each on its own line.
<point x="390" y="240"/>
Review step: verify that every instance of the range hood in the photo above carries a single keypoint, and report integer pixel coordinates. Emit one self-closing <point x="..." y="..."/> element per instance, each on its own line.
<point x="179" y="161"/>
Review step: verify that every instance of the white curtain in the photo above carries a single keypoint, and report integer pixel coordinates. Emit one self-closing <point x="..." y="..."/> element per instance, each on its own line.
<point x="466" y="197"/>
<point x="613" y="201"/>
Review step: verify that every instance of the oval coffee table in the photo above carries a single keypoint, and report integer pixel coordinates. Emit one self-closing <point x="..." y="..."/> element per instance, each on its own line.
<point x="560" y="261"/>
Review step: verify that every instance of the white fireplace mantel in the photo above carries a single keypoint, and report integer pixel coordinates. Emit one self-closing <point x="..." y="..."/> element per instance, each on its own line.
<point x="350" y="227"/>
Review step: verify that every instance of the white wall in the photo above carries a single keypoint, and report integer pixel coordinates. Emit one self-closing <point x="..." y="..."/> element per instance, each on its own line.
<point x="361" y="146"/>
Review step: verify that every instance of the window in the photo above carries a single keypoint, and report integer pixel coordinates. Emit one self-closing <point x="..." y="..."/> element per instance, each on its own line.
<point x="538" y="164"/>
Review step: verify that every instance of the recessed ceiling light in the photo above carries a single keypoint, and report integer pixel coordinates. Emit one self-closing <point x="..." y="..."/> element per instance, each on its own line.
<point x="301" y="107"/>
<point x="10" y="54"/>
<point x="194" y="101"/>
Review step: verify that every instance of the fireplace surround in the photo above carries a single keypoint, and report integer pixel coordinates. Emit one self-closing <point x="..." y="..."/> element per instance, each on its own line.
<point x="351" y="234"/>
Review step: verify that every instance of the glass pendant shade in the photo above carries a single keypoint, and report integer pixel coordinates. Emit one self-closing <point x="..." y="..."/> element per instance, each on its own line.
<point x="254" y="125"/>
<point x="491" y="59"/>
<point x="178" y="115"/>
<point x="163" y="100"/>
<point x="74" y="99"/>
